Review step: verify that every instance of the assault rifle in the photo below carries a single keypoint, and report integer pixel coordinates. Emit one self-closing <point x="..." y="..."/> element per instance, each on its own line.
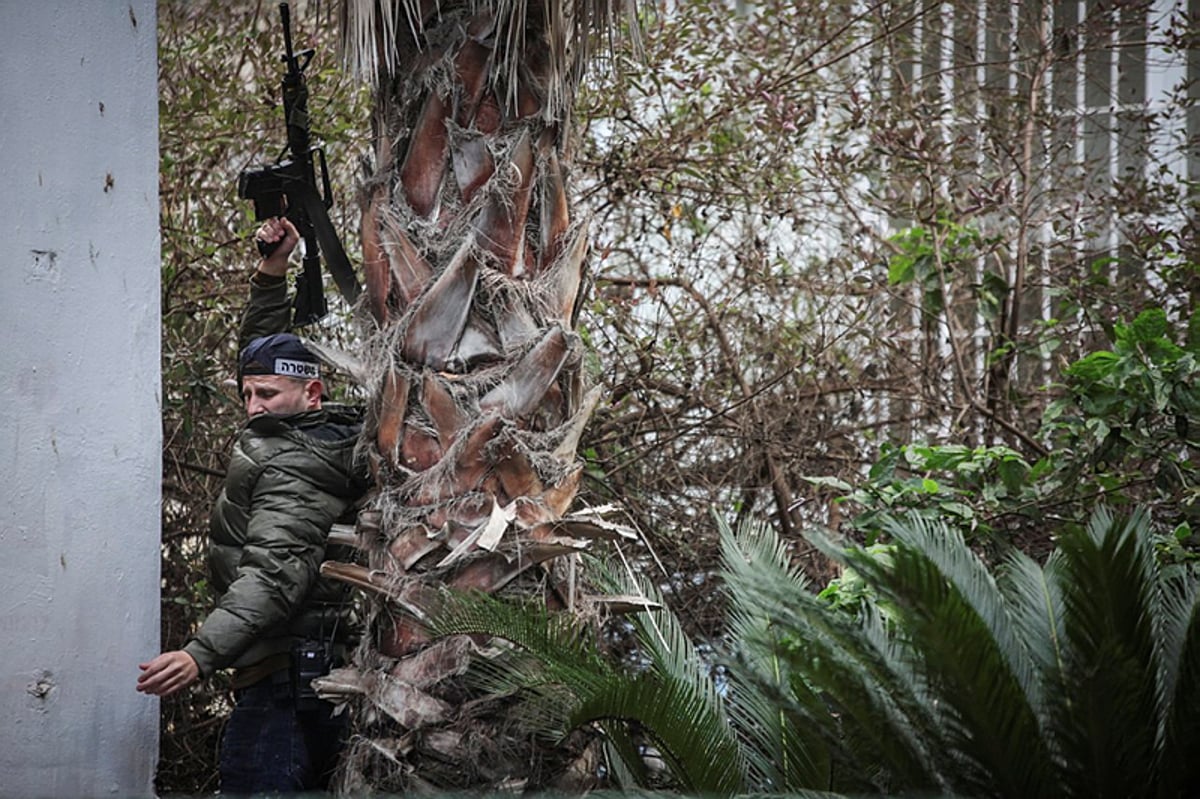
<point x="289" y="187"/>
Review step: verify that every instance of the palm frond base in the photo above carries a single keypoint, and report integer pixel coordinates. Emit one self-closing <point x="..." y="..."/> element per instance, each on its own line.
<point x="484" y="745"/>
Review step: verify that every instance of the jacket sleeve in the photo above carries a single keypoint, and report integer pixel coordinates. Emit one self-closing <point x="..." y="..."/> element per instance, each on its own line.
<point x="267" y="310"/>
<point x="285" y="542"/>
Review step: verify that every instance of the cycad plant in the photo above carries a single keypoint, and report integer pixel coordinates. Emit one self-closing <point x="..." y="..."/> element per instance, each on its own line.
<point x="663" y="719"/>
<point x="1072" y="678"/>
<point x="474" y="265"/>
<point x="666" y="721"/>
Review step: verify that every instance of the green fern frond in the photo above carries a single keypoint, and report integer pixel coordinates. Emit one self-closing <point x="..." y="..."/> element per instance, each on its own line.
<point x="661" y="638"/>
<point x="1108" y="720"/>
<point x="672" y="662"/>
<point x="550" y="636"/>
<point x="555" y="664"/>
<point x="1080" y="677"/>
<point x="626" y="769"/>
<point x="954" y="615"/>
<point x="1181" y="660"/>
<point x="946" y="550"/>
<point x="782" y="749"/>
<point x="674" y="702"/>
<point x="872" y="715"/>
<point x="694" y="739"/>
<point x="1033" y="597"/>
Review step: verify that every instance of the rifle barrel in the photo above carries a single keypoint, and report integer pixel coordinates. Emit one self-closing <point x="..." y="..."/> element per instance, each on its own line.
<point x="286" y="15"/>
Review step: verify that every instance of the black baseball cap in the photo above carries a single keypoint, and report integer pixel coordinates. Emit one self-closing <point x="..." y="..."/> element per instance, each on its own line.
<point x="279" y="354"/>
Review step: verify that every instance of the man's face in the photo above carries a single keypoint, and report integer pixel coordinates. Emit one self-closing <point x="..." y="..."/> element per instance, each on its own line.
<point x="279" y="395"/>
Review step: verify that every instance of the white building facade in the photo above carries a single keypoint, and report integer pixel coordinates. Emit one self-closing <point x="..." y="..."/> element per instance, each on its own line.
<point x="79" y="381"/>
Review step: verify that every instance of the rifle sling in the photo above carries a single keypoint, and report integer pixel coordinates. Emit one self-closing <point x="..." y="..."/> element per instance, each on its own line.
<point x="331" y="246"/>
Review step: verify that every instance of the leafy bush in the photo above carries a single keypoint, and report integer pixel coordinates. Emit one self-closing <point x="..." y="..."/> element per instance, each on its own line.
<point x="1123" y="431"/>
<point x="1130" y="416"/>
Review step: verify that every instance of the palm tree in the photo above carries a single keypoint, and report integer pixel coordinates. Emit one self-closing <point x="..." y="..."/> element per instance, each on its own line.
<point x="1076" y="677"/>
<point x="474" y="266"/>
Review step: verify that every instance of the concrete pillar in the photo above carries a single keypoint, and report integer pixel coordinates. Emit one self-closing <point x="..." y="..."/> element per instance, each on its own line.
<point x="80" y="432"/>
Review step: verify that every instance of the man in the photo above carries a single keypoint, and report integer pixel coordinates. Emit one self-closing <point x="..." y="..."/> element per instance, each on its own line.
<point x="291" y="476"/>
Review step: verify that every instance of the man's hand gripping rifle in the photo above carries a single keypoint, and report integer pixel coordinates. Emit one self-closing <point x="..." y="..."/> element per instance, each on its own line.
<point x="289" y="187"/>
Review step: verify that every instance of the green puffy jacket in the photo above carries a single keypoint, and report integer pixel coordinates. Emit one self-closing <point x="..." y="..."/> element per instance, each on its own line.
<point x="290" y="478"/>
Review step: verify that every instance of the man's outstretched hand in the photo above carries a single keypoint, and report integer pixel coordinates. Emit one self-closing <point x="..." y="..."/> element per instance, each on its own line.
<point x="167" y="673"/>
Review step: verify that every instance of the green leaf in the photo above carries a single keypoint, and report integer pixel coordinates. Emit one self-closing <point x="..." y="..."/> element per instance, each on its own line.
<point x="959" y="509"/>
<point x="1094" y="367"/>
<point x="993" y="288"/>
<point x="885" y="467"/>
<point x="1013" y="472"/>
<point x="901" y="270"/>
<point x="829" y="482"/>
<point x="1149" y="325"/>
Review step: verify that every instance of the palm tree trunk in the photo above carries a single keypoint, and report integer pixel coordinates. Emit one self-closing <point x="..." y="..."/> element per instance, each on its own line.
<point x="473" y="267"/>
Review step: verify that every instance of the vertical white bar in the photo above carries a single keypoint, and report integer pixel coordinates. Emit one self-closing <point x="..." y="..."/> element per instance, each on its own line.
<point x="79" y="382"/>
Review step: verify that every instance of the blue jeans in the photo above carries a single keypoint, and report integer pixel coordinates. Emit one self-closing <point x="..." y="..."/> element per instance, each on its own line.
<point x="271" y="747"/>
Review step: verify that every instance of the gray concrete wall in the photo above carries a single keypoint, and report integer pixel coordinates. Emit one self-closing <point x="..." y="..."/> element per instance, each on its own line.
<point x="80" y="434"/>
